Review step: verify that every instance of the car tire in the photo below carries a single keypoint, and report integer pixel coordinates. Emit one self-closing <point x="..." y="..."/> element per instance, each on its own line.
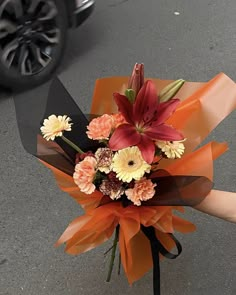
<point x="32" y="41"/>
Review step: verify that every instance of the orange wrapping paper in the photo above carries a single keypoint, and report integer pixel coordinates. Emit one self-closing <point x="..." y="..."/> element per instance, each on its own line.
<point x="203" y="107"/>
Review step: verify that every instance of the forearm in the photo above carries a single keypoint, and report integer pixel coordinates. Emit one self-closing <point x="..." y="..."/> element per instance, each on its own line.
<point x="220" y="204"/>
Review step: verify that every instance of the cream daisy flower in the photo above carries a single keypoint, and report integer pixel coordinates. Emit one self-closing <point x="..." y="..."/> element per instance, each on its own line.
<point x="128" y="164"/>
<point x="172" y="149"/>
<point x="54" y="126"/>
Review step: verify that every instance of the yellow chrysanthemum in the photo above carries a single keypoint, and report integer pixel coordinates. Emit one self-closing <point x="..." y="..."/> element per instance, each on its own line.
<point x="54" y="126"/>
<point x="129" y="164"/>
<point x="172" y="149"/>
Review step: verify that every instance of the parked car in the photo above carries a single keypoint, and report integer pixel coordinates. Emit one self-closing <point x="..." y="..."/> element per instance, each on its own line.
<point x="33" y="38"/>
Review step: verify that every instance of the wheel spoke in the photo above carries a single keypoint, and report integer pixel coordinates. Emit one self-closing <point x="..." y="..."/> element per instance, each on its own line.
<point x="33" y="6"/>
<point x="38" y="55"/>
<point x="11" y="58"/>
<point x="8" y="50"/>
<point x="51" y="12"/>
<point x="29" y="66"/>
<point x="47" y="38"/>
<point x="16" y="5"/>
<point x="6" y="27"/>
<point x="24" y="53"/>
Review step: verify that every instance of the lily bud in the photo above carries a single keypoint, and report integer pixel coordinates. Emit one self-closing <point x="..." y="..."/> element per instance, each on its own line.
<point x="170" y="90"/>
<point x="136" y="80"/>
<point x="130" y="94"/>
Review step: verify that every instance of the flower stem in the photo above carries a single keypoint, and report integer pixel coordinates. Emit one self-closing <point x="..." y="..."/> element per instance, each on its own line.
<point x="119" y="266"/>
<point x="71" y="144"/>
<point x="113" y="254"/>
<point x="161" y="157"/>
<point x="108" y="250"/>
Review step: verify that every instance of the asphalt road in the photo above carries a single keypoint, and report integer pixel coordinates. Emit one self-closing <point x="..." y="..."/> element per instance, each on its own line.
<point x="194" y="44"/>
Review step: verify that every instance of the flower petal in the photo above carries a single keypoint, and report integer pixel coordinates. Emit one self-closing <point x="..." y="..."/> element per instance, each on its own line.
<point x="147" y="148"/>
<point x="124" y="106"/>
<point x="146" y="102"/>
<point x="165" y="110"/>
<point x="124" y="136"/>
<point x="164" y="132"/>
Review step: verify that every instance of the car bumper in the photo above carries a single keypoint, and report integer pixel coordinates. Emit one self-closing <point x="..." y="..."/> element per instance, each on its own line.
<point x="82" y="12"/>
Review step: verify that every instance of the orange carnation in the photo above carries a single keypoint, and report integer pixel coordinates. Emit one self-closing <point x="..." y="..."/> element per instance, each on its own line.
<point x="100" y="128"/>
<point x="143" y="190"/>
<point x="84" y="174"/>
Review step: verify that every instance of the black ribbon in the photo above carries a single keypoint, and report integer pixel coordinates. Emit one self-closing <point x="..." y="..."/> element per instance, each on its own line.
<point x="157" y="248"/>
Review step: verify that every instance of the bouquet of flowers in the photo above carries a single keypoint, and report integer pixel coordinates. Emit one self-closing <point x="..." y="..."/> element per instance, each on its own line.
<point x="132" y="161"/>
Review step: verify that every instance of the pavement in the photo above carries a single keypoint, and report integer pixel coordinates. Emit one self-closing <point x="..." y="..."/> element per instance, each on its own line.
<point x="193" y="40"/>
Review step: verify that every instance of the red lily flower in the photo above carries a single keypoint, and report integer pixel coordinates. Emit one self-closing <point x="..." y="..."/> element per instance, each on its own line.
<point x="145" y="122"/>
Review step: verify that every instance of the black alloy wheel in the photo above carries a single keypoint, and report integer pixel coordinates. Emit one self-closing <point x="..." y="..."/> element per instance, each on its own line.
<point x="32" y="41"/>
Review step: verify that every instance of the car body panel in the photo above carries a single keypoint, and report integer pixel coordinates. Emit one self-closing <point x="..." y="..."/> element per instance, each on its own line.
<point x="79" y="11"/>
